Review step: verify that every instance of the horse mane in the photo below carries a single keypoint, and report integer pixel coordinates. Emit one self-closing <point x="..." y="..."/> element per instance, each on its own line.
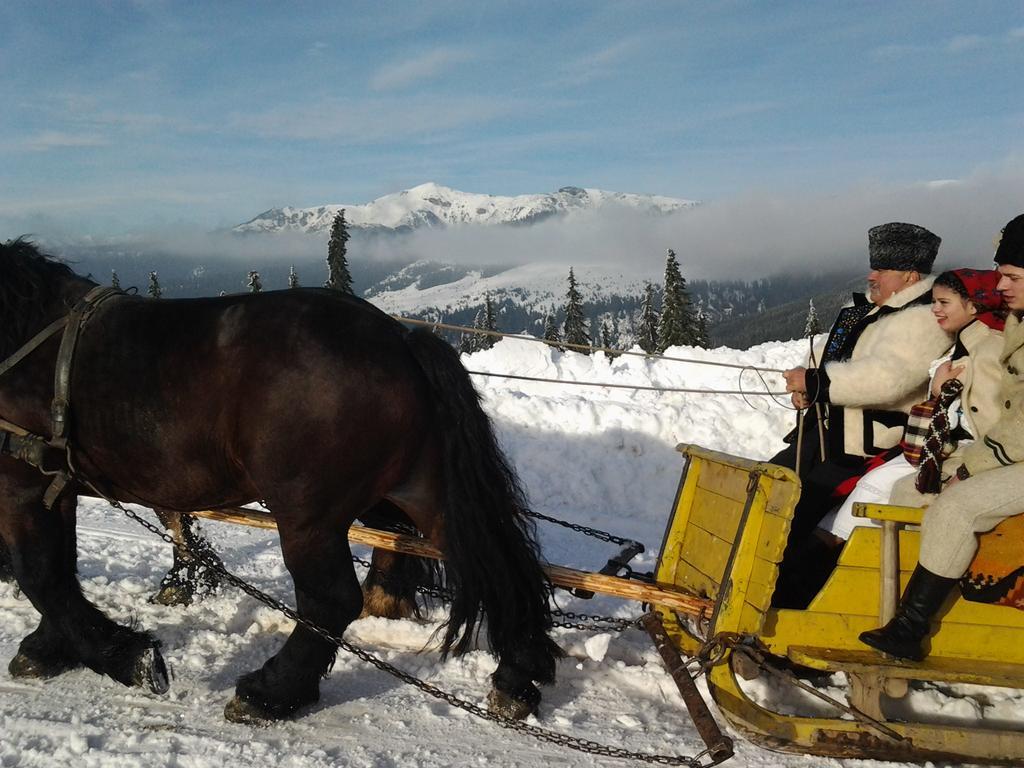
<point x="31" y="283"/>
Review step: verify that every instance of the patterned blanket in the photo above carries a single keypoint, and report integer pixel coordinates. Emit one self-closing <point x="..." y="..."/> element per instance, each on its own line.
<point x="997" y="575"/>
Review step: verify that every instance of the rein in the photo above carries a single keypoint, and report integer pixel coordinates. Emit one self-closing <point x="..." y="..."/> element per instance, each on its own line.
<point x="20" y="443"/>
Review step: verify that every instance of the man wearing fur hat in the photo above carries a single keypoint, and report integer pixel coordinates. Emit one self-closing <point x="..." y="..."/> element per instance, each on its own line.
<point x="988" y="486"/>
<point x="872" y="369"/>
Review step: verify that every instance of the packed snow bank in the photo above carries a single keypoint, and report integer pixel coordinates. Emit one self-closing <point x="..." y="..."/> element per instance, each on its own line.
<point x="600" y="457"/>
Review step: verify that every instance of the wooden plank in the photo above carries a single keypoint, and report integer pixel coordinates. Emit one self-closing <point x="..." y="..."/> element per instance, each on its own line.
<point x="725" y="480"/>
<point x="685" y="576"/>
<point x="717" y="514"/>
<point x="761" y="584"/>
<point x="562" y="576"/>
<point x="771" y="539"/>
<point x="708" y="554"/>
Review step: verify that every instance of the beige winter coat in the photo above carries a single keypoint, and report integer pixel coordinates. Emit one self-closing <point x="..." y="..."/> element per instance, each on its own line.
<point x="887" y="371"/>
<point x="1003" y="443"/>
<point x="981" y="377"/>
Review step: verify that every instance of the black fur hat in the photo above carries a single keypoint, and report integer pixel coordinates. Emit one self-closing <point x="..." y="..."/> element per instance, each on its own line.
<point x="906" y="247"/>
<point x="1011" y="245"/>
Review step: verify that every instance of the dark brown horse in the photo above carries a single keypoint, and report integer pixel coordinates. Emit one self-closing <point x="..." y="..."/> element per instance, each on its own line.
<point x="310" y="400"/>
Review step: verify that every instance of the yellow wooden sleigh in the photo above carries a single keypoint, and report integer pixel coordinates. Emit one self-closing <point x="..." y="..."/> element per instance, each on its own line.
<point x="724" y="541"/>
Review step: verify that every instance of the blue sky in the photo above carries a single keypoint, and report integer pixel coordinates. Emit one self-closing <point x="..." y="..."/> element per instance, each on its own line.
<point x="127" y="116"/>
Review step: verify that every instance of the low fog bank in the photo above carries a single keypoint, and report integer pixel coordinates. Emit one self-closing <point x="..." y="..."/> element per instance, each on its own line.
<point x="758" y="234"/>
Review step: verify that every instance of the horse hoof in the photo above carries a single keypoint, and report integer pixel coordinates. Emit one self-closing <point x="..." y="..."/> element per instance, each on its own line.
<point x="509" y="707"/>
<point x="150" y="671"/>
<point x="173" y="595"/>
<point x="245" y="712"/>
<point x="27" y="667"/>
<point x="381" y="604"/>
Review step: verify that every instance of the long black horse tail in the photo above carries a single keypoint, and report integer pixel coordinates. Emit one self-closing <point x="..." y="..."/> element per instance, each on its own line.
<point x="493" y="564"/>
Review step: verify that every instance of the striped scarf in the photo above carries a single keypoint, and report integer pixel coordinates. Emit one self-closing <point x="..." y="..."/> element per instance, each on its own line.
<point x="937" y="444"/>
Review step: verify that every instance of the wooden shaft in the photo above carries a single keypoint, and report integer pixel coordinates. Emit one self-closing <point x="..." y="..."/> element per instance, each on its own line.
<point x="560" y="575"/>
<point x="13" y="428"/>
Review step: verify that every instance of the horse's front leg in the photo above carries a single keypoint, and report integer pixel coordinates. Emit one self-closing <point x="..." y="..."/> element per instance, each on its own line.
<point x="327" y="592"/>
<point x="72" y="631"/>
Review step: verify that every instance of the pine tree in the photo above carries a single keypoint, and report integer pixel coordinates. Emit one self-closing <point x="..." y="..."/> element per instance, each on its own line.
<point x="473" y="342"/>
<point x="467" y="343"/>
<point x="678" y="325"/>
<point x="551" y="327"/>
<point x="255" y="285"/>
<point x="487" y="322"/>
<point x="606" y="339"/>
<point x="701" y="338"/>
<point x="293" y="279"/>
<point x="813" y="325"/>
<point x="647" y="333"/>
<point x="575" y="330"/>
<point x="154" y="289"/>
<point x="115" y="281"/>
<point x="338" y="276"/>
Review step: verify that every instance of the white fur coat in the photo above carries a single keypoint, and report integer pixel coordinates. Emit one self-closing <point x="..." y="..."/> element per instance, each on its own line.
<point x="887" y="371"/>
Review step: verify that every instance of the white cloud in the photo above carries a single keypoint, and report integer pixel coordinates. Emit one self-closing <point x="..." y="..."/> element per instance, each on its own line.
<point x="1016" y="34"/>
<point x="50" y="140"/>
<point x="426" y="66"/>
<point x="602" y="62"/>
<point x="373" y="121"/>
<point x="962" y="43"/>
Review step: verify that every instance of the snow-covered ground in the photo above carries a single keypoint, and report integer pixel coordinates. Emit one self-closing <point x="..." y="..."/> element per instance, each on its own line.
<point x="601" y="457"/>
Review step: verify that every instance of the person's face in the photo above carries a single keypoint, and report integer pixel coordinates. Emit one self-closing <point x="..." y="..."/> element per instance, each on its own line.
<point x="952" y="311"/>
<point x="1011" y="285"/>
<point x="883" y="283"/>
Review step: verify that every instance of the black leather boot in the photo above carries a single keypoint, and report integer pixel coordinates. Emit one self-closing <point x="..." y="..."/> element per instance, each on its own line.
<point x="903" y="635"/>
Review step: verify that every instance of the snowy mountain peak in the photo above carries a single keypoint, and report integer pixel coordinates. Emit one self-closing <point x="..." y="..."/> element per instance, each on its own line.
<point x="433" y="205"/>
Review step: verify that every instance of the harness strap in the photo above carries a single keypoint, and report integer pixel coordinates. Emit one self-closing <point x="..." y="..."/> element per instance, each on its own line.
<point x="32" y="344"/>
<point x="65" y="356"/>
<point x="52" y="456"/>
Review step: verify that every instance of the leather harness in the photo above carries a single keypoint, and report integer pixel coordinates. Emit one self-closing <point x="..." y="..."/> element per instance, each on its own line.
<point x="52" y="456"/>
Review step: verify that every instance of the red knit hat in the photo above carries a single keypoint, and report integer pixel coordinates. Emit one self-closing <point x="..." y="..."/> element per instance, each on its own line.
<point x="980" y="289"/>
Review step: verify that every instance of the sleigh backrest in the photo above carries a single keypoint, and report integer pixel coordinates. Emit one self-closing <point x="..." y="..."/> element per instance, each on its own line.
<point x="726" y="535"/>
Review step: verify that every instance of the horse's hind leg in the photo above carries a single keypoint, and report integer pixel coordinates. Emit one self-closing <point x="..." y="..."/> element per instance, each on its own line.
<point x="71" y="630"/>
<point x="390" y="586"/>
<point x="189" y="578"/>
<point x="327" y="592"/>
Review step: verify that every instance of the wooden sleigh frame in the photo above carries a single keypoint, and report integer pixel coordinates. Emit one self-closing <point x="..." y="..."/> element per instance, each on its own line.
<point x="724" y="542"/>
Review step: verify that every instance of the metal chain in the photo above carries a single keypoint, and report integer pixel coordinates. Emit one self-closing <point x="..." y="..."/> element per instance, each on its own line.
<point x="593" y="532"/>
<point x="542" y="734"/>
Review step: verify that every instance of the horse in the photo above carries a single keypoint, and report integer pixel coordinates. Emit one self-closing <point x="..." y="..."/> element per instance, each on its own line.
<point x="312" y="401"/>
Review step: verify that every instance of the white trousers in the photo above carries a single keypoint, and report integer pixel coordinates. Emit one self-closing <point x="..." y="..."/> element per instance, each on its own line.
<point x="874" y="488"/>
